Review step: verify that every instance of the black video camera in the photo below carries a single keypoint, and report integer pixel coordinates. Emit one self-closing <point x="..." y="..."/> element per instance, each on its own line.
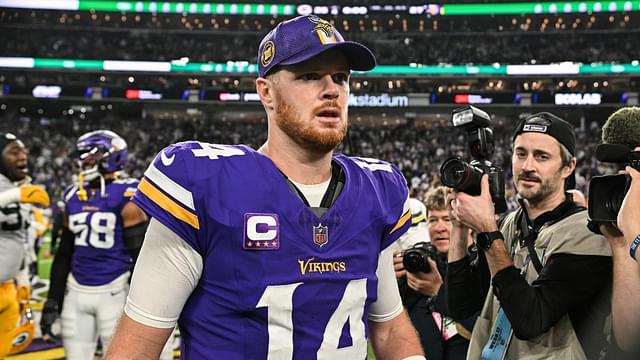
<point x="606" y="192"/>
<point x="465" y="177"/>
<point x="414" y="258"/>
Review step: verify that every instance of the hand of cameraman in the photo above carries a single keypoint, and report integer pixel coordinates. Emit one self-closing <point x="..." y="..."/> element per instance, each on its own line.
<point x="427" y="284"/>
<point x="614" y="236"/>
<point x="477" y="212"/>
<point x="459" y="239"/>
<point x="398" y="266"/>
<point x="629" y="214"/>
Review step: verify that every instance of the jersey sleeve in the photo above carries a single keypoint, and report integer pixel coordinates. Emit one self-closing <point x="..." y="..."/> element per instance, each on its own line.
<point x="124" y="190"/>
<point x="399" y="207"/>
<point x="166" y="193"/>
<point x="399" y="227"/>
<point x="69" y="192"/>
<point x="130" y="187"/>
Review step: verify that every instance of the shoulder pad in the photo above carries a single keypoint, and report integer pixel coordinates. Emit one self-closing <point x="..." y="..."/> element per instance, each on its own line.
<point x="128" y="186"/>
<point x="69" y="192"/>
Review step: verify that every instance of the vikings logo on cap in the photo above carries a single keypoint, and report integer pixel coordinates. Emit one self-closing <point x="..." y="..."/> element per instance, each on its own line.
<point x="268" y="53"/>
<point x="324" y="30"/>
<point x="304" y="37"/>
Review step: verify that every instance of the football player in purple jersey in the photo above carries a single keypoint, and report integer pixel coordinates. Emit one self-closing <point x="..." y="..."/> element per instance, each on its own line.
<point x="102" y="235"/>
<point x="278" y="253"/>
<point x="17" y="196"/>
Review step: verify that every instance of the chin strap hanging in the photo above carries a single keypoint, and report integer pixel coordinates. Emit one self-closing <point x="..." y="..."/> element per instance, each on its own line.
<point x="82" y="192"/>
<point x="103" y="187"/>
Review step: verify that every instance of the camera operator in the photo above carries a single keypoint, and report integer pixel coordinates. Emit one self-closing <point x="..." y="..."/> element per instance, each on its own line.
<point x="623" y="128"/>
<point x="423" y="293"/>
<point x="548" y="270"/>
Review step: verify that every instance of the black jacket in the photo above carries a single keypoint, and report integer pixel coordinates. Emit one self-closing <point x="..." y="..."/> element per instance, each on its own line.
<point x="420" y="310"/>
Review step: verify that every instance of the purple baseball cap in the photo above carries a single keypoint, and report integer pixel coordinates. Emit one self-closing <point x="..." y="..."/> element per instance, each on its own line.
<point x="301" y="38"/>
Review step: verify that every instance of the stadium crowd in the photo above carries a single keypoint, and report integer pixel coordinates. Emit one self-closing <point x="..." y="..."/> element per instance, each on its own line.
<point x="417" y="150"/>
<point x="393" y="49"/>
<point x="417" y="146"/>
<point x="396" y="40"/>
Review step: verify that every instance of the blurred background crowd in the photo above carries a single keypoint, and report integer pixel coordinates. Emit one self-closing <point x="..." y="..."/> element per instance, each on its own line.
<point x="417" y="139"/>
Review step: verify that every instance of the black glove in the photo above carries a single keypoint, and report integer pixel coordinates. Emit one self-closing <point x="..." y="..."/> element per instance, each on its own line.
<point x="50" y="313"/>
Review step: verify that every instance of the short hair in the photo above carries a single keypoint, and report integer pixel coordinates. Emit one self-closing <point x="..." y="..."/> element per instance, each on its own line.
<point x="623" y="127"/>
<point x="565" y="155"/>
<point x="436" y="199"/>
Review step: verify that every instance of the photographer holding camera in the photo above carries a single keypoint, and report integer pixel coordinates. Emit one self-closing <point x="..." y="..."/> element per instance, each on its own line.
<point x="623" y="228"/>
<point x="548" y="270"/>
<point x="420" y="270"/>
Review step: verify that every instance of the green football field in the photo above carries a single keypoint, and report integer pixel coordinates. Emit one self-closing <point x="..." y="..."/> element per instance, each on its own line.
<point x="44" y="262"/>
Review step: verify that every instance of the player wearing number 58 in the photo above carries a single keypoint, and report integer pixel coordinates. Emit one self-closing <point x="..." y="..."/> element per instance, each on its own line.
<point x="282" y="252"/>
<point x="101" y="237"/>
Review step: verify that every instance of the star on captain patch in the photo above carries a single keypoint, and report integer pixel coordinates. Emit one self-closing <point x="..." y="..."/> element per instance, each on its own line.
<point x="320" y="235"/>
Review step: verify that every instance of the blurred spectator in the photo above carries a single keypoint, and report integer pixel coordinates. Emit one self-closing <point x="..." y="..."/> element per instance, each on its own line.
<point x="396" y="38"/>
<point x="417" y="151"/>
<point x="423" y="292"/>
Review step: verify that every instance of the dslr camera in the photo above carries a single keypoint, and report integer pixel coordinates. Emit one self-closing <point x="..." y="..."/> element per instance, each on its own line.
<point x="414" y="258"/>
<point x="606" y="192"/>
<point x="465" y="177"/>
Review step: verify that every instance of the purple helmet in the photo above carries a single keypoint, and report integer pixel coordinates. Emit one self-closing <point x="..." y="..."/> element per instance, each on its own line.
<point x="101" y="151"/>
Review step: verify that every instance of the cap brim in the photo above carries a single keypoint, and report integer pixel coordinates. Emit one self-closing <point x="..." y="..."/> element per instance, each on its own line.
<point x="358" y="56"/>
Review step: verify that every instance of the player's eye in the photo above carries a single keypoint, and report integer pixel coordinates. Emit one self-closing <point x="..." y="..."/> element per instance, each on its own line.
<point x="340" y="78"/>
<point x="310" y="76"/>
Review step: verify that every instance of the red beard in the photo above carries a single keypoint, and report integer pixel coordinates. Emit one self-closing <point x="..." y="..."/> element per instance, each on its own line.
<point x="305" y="134"/>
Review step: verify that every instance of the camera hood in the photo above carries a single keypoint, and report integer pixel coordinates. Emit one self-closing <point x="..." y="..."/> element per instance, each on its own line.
<point x="605" y="197"/>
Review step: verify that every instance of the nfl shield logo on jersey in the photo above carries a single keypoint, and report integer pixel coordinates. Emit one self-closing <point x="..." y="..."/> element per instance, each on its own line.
<point x="320" y="235"/>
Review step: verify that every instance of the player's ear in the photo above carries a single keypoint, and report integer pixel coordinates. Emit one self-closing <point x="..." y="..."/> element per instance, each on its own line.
<point x="265" y="90"/>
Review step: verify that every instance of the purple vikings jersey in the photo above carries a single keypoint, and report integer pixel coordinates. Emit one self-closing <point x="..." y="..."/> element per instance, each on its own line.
<point x="278" y="282"/>
<point x="100" y="254"/>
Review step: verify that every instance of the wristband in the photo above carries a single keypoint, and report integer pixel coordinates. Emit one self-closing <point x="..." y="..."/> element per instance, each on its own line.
<point x="634" y="247"/>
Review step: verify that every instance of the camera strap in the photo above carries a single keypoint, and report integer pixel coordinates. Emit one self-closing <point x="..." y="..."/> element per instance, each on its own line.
<point x="529" y="230"/>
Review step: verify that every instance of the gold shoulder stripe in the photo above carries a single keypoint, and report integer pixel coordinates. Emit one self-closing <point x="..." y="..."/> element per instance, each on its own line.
<point x="402" y="221"/>
<point x="167" y="204"/>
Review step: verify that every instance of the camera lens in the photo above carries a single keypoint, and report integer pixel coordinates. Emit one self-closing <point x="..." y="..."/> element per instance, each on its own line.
<point x="414" y="262"/>
<point x="453" y="172"/>
<point x="606" y="194"/>
<point x="458" y="174"/>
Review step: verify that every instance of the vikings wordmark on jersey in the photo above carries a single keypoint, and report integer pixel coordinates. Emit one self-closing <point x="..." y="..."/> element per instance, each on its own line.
<point x="278" y="282"/>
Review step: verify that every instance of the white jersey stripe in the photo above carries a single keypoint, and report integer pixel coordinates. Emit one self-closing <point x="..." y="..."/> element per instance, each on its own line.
<point x="169" y="186"/>
<point x="70" y="194"/>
